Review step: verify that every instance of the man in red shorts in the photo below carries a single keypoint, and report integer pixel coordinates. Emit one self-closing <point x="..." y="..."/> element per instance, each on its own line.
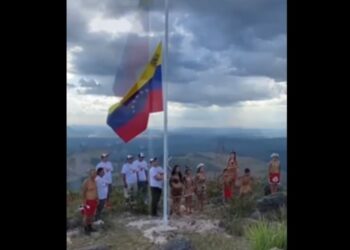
<point x="89" y="192"/>
<point x="274" y="173"/>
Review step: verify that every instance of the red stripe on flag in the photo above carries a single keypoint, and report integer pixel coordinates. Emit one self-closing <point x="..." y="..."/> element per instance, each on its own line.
<point x="156" y="100"/>
<point x="134" y="127"/>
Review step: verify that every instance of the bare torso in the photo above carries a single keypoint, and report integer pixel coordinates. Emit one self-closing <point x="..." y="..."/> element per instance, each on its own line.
<point x="90" y="189"/>
<point x="274" y="166"/>
<point x="246" y="184"/>
<point x="232" y="168"/>
<point x="188" y="189"/>
<point x="200" y="183"/>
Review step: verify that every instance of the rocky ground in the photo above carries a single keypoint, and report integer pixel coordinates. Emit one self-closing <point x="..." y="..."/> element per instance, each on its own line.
<point x="207" y="230"/>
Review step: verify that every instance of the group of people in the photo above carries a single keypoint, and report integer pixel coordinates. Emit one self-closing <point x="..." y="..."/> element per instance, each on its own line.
<point x="138" y="177"/>
<point x="186" y="186"/>
<point x="231" y="179"/>
<point x="96" y="191"/>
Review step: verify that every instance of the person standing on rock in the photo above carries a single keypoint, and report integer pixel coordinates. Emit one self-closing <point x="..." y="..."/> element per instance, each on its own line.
<point x="176" y="188"/>
<point x="142" y="184"/>
<point x="188" y="190"/>
<point x="156" y="180"/>
<point x="102" y="192"/>
<point x="274" y="173"/>
<point x="130" y="177"/>
<point x="200" y="186"/>
<point x="232" y="171"/>
<point x="108" y="169"/>
<point x="90" y="201"/>
<point x="246" y="182"/>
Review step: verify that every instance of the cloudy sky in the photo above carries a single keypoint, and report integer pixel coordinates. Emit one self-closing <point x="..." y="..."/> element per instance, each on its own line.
<point x="226" y="67"/>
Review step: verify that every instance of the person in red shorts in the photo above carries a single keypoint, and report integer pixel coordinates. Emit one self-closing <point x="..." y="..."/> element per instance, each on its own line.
<point x="89" y="192"/>
<point x="274" y="173"/>
<point x="227" y="187"/>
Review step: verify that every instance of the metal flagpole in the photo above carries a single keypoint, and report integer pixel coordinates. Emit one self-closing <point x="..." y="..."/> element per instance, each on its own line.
<point x="165" y="99"/>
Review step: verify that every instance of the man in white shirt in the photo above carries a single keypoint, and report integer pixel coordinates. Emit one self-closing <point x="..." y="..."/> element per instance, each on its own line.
<point x="102" y="192"/>
<point x="108" y="169"/>
<point x="129" y="173"/>
<point x="142" y="183"/>
<point x="156" y="179"/>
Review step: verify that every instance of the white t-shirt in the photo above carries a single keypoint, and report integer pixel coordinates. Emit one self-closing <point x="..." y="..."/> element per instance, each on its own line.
<point x="130" y="170"/>
<point x="108" y="169"/>
<point x="102" y="187"/>
<point x="142" y="168"/>
<point x="152" y="173"/>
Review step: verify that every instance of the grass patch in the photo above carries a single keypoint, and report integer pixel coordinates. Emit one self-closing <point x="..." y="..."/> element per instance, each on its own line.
<point x="74" y="200"/>
<point x="265" y="235"/>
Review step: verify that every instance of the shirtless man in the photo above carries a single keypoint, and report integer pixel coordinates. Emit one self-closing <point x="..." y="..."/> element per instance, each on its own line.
<point x="89" y="192"/>
<point x="246" y="183"/>
<point x="274" y="173"/>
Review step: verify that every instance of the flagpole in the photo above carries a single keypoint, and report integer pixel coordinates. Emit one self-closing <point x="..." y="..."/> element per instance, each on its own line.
<point x="165" y="100"/>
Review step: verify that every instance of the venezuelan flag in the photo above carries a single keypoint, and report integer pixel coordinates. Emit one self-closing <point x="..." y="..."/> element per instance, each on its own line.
<point x="129" y="117"/>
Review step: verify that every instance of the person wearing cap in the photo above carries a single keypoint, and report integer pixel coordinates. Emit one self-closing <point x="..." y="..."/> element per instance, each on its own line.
<point x="156" y="180"/>
<point x="108" y="169"/>
<point x="90" y="201"/>
<point x="200" y="185"/>
<point x="232" y="171"/>
<point x="142" y="183"/>
<point x="274" y="176"/>
<point x="129" y="173"/>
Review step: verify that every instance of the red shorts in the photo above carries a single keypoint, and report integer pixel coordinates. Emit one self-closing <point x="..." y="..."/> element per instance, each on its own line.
<point x="228" y="192"/>
<point x="90" y="208"/>
<point x="274" y="178"/>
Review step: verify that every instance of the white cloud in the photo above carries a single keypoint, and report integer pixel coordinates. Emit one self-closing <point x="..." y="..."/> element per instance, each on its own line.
<point x="112" y="26"/>
<point x="88" y="109"/>
<point x="260" y="114"/>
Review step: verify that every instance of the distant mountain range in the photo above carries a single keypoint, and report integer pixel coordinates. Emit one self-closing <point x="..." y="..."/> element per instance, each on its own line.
<point x="106" y="132"/>
<point x="79" y="163"/>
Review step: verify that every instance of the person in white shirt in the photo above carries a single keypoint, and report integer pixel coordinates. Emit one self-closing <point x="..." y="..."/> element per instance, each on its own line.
<point x="129" y="172"/>
<point x="108" y="169"/>
<point x="102" y="192"/>
<point x="142" y="183"/>
<point x="156" y="180"/>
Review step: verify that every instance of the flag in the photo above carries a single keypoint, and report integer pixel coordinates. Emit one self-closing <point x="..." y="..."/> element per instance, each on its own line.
<point x="129" y="117"/>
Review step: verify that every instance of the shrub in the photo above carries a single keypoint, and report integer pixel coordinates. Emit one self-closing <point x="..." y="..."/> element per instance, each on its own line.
<point x="265" y="235"/>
